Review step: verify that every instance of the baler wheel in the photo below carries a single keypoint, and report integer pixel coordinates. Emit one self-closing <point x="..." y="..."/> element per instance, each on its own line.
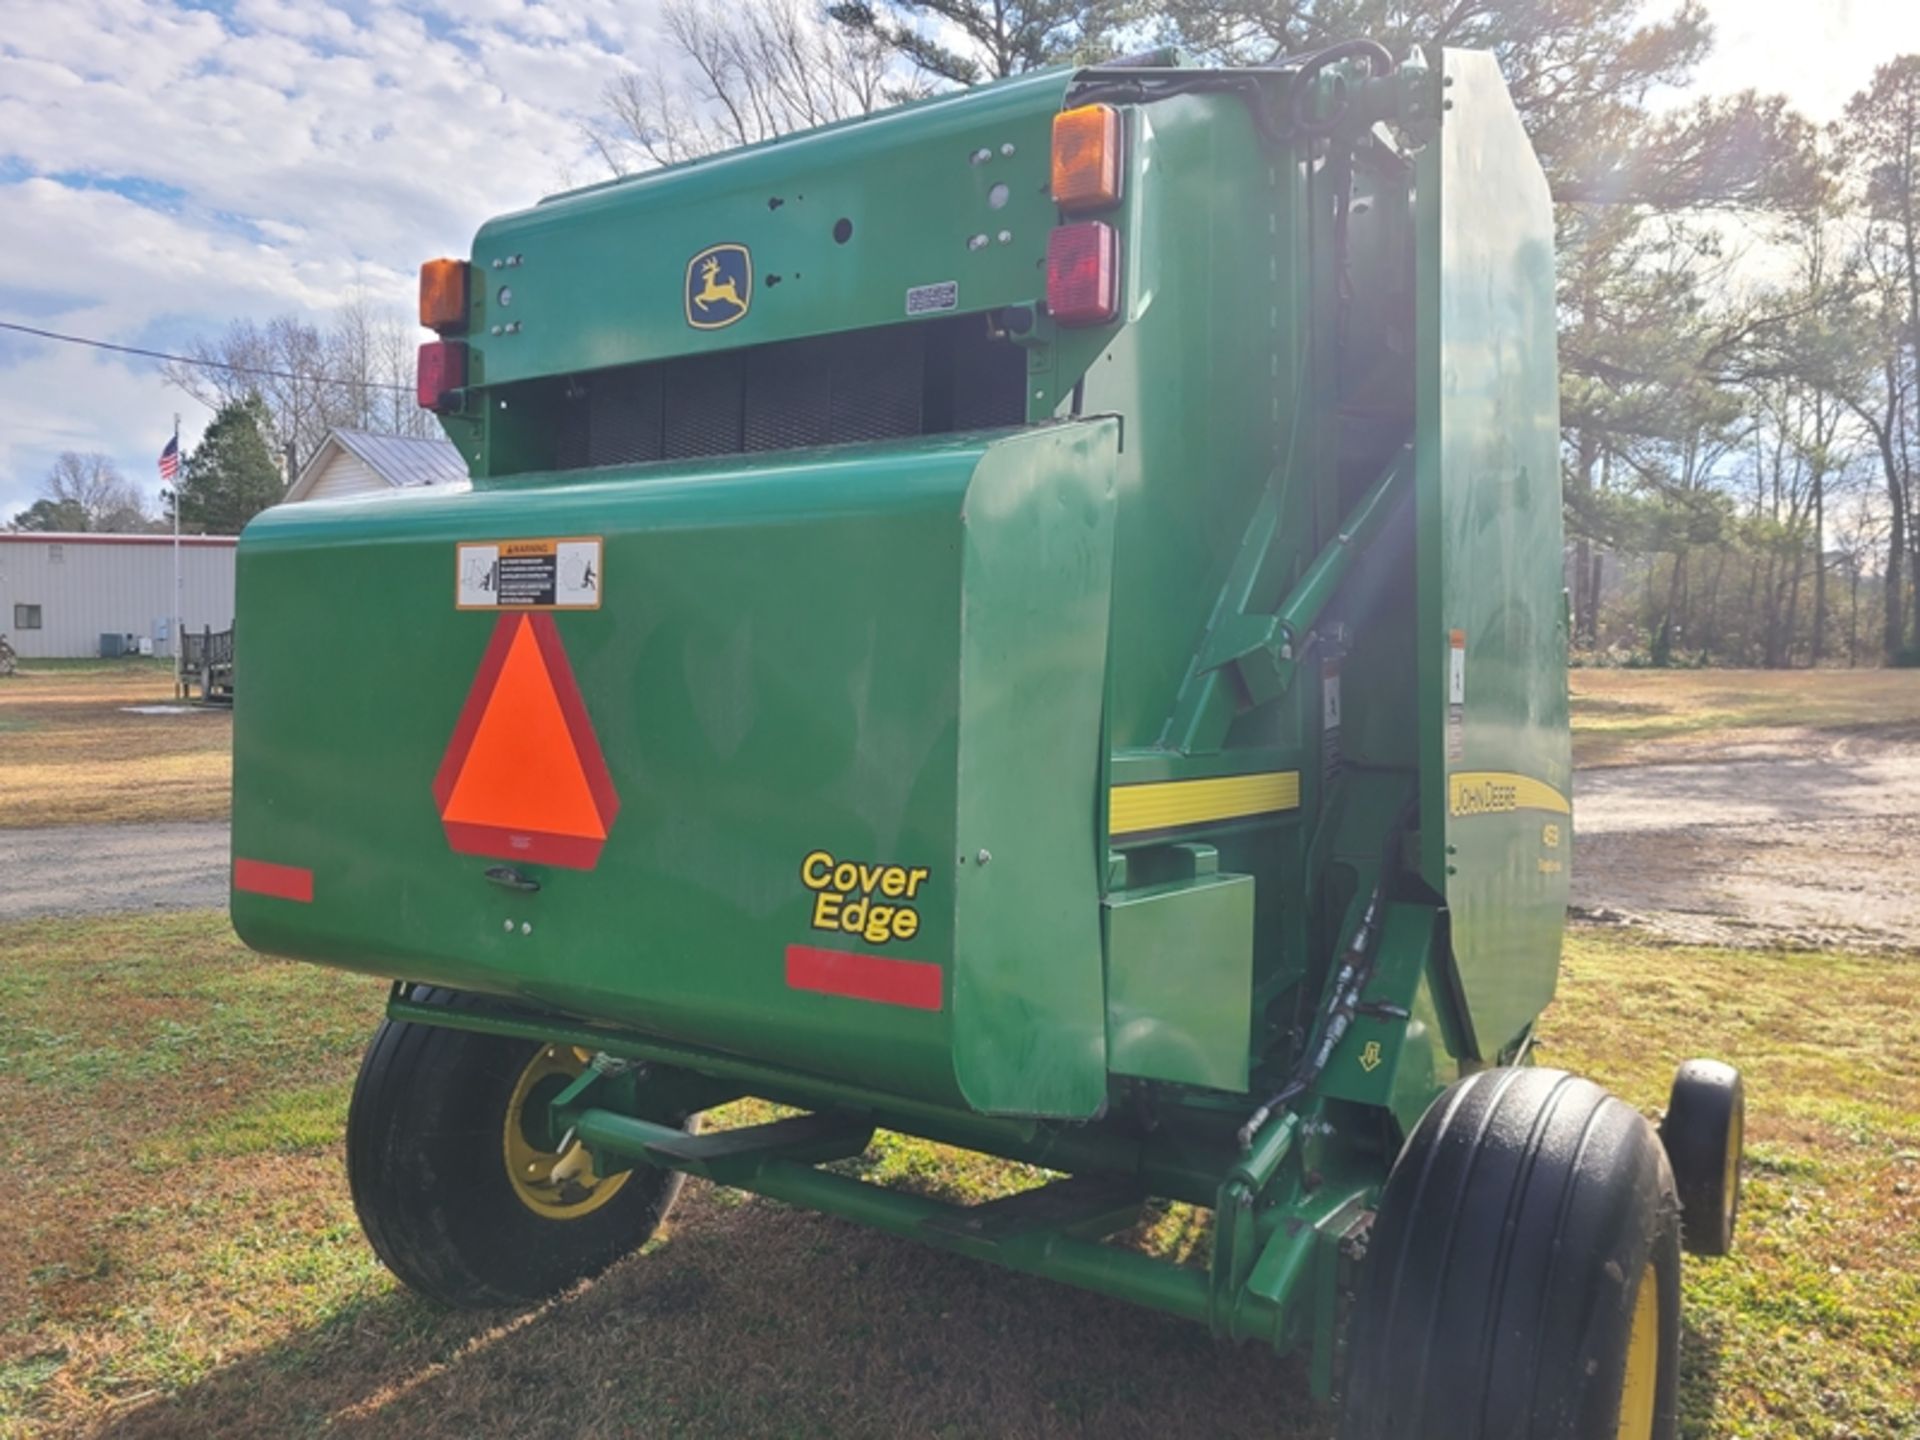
<point x="1705" y="1135"/>
<point x="556" y="1183"/>
<point x="459" y="1191"/>
<point x="1523" y="1273"/>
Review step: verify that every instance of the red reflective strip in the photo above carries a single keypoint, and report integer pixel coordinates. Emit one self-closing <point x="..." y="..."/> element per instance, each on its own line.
<point x="283" y="882"/>
<point x="913" y="983"/>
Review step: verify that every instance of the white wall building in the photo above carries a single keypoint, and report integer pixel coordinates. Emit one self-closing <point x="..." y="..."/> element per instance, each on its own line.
<point x="358" y="462"/>
<point x="59" y="593"/>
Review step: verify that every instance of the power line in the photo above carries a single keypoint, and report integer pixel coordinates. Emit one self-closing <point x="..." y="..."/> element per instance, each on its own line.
<point x="202" y="364"/>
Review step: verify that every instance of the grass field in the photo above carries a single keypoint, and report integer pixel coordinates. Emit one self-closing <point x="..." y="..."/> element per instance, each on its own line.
<point x="1624" y="717"/>
<point x="72" y="754"/>
<point x="181" y="1258"/>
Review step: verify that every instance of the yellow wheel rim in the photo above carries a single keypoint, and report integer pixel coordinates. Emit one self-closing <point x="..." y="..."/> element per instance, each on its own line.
<point x="1640" y="1385"/>
<point x="557" y="1184"/>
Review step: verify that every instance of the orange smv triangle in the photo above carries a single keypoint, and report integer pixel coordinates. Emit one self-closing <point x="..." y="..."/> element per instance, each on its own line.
<point x="523" y="777"/>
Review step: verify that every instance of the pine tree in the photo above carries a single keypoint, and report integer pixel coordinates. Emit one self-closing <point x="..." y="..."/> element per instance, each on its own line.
<point x="995" y="38"/>
<point x="230" y="476"/>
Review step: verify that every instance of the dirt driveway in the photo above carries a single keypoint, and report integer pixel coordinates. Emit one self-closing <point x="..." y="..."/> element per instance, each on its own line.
<point x="99" y="869"/>
<point x="1806" y="838"/>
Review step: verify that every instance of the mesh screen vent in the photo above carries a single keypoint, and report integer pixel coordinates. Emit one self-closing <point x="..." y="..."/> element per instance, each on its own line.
<point x="887" y="383"/>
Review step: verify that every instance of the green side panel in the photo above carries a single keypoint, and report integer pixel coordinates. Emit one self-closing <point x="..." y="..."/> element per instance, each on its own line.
<point x="1495" y="758"/>
<point x="777" y="668"/>
<point x="1029" y="1008"/>
<point x="838" y="225"/>
<point x="1207" y="373"/>
<point x="1180" y="981"/>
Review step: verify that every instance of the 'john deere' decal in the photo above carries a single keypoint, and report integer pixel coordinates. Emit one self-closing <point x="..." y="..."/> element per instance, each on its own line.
<point x="719" y="286"/>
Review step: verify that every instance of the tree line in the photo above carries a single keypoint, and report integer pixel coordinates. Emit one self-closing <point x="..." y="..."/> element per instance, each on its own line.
<point x="1739" y="288"/>
<point x="275" y="388"/>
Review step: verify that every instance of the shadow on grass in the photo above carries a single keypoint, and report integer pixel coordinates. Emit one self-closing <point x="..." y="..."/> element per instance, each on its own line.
<point x="753" y="1320"/>
<point x="1700" y="1344"/>
<point x="757" y="1321"/>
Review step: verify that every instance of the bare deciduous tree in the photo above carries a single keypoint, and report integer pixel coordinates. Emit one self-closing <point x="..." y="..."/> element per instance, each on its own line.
<point x="370" y="355"/>
<point x="356" y="374"/>
<point x="737" y="74"/>
<point x="1882" y="136"/>
<point x="85" y="492"/>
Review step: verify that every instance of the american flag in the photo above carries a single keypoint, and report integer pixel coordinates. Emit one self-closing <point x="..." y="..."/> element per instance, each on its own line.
<point x="170" y="459"/>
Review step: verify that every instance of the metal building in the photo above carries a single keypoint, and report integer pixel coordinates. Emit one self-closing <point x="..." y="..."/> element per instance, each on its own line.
<point x="61" y="592"/>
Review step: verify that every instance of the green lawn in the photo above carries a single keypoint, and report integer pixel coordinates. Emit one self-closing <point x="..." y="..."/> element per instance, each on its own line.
<point x="180" y="1256"/>
<point x="73" y="750"/>
<point x="1624" y="717"/>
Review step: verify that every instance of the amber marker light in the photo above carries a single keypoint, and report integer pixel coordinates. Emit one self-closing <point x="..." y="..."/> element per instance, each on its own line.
<point x="443" y="295"/>
<point x="1086" y="157"/>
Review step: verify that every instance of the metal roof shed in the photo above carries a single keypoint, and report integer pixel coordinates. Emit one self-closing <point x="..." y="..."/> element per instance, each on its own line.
<point x="360" y="463"/>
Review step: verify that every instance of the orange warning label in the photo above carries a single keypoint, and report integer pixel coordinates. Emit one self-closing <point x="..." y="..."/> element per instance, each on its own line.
<point x="523" y="777"/>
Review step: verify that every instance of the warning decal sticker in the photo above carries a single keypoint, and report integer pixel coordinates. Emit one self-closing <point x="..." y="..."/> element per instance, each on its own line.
<point x="523" y="777"/>
<point x="528" y="574"/>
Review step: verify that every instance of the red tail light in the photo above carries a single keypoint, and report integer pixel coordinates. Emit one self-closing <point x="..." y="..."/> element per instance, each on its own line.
<point x="441" y="374"/>
<point x="1083" y="273"/>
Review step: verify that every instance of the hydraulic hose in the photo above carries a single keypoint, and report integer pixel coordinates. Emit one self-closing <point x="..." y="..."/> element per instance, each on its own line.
<point x="1343" y="995"/>
<point x="1127" y="81"/>
<point x="1299" y="108"/>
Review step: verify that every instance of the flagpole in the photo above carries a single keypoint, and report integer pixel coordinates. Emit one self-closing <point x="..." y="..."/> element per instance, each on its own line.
<point x="179" y="595"/>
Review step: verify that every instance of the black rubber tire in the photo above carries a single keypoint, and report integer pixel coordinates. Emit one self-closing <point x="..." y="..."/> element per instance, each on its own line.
<point x="1706" y="1118"/>
<point x="429" y="1176"/>
<point x="1498" y="1291"/>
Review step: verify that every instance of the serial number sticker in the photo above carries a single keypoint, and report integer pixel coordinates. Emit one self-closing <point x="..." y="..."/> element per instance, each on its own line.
<point x="932" y="299"/>
<point x="546" y="574"/>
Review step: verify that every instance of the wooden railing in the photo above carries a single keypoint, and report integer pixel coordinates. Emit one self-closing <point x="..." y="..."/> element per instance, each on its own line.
<point x="206" y="661"/>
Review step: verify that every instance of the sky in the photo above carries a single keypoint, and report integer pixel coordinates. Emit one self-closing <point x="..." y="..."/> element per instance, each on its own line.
<point x="169" y="166"/>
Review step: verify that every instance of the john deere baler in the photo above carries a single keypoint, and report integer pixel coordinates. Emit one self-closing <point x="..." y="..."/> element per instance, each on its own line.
<point x="1032" y="619"/>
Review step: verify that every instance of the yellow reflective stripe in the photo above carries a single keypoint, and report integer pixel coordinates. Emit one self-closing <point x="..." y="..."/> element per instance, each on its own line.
<point x="1499" y="792"/>
<point x="1167" y="803"/>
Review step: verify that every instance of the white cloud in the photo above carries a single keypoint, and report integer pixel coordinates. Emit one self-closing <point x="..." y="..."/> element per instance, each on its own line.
<point x="164" y="170"/>
<point x="1817" y="55"/>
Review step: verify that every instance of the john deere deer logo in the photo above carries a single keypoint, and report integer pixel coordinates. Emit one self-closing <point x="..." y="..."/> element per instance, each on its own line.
<point x="719" y="286"/>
